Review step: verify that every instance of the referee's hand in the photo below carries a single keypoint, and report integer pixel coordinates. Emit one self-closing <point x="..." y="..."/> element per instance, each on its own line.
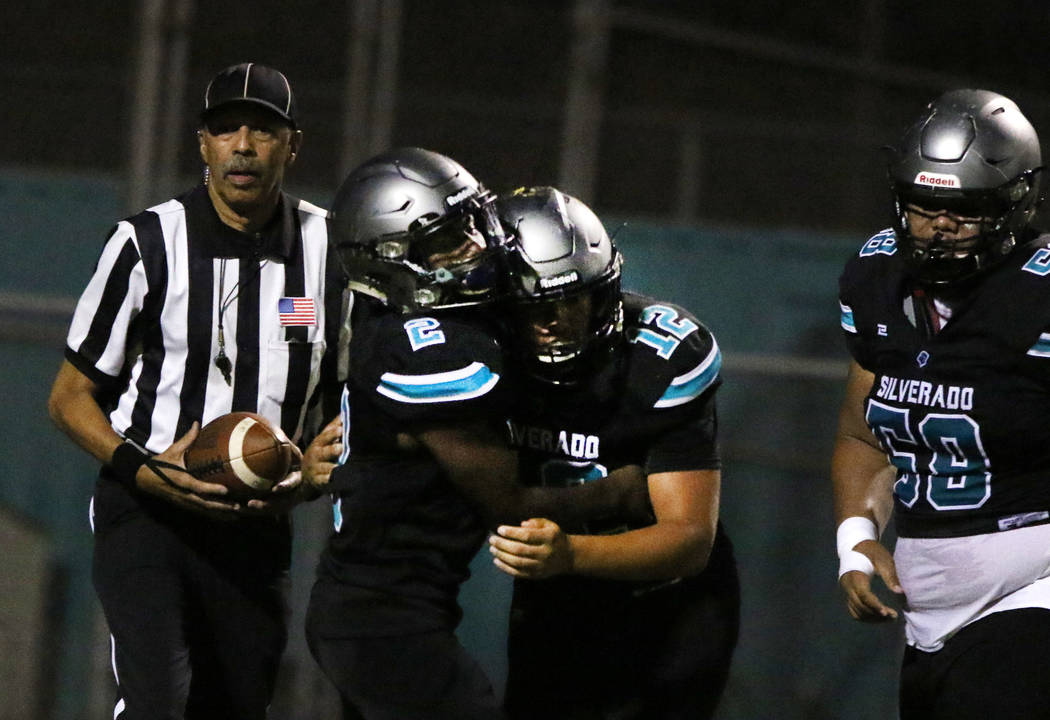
<point x="165" y="477"/>
<point x="284" y="495"/>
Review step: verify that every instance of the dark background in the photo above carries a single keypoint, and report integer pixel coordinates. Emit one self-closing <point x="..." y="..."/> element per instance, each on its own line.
<point x="788" y="101"/>
<point x="738" y="140"/>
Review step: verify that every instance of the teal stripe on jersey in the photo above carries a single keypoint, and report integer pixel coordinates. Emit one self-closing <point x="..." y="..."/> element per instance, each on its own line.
<point x="1041" y="347"/>
<point x="847" y="319"/>
<point x="691" y="385"/>
<point x="344" y="410"/>
<point x="472" y="381"/>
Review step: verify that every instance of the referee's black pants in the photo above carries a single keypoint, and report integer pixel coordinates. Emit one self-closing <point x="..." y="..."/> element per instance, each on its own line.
<point x="196" y="608"/>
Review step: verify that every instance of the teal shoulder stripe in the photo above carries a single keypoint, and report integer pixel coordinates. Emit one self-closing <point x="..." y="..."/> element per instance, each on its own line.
<point x="846" y="318"/>
<point x="472" y="381"/>
<point x="1041" y="347"/>
<point x="693" y="384"/>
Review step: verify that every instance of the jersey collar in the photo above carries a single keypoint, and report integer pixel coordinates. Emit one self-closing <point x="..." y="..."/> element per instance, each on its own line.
<point x="275" y="240"/>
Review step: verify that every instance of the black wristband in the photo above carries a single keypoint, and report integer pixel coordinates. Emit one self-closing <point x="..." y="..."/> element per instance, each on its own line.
<point x="125" y="463"/>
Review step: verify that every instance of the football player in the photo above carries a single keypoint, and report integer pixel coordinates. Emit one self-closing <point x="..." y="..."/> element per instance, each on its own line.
<point x="427" y="469"/>
<point x="947" y="317"/>
<point x="611" y="618"/>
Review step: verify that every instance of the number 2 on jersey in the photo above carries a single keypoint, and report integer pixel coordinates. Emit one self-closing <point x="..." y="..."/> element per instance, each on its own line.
<point x="423" y="332"/>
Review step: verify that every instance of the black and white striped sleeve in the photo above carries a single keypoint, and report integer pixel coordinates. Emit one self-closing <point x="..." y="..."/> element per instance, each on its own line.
<point x="98" y="334"/>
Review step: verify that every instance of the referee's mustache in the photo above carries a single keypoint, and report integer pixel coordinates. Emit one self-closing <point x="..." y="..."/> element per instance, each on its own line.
<point x="240" y="164"/>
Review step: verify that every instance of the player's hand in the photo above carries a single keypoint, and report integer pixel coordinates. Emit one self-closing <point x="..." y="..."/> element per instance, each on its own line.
<point x="281" y="499"/>
<point x="537" y="549"/>
<point x="861" y="601"/>
<point x="168" y="479"/>
<point x="284" y="495"/>
<point x="310" y="472"/>
<point x="322" y="457"/>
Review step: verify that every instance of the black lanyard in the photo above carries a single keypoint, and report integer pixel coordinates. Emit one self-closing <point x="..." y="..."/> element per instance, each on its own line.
<point x="222" y="362"/>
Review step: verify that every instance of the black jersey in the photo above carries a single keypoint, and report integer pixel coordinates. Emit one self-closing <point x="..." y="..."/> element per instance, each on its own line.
<point x="964" y="413"/>
<point x="651" y="405"/>
<point x="404" y="534"/>
<point x="592" y="643"/>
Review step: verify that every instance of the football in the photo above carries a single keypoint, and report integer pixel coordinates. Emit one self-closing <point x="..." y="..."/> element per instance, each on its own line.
<point x="243" y="451"/>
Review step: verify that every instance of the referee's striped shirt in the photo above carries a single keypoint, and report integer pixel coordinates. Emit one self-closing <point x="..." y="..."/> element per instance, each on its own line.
<point x="146" y="327"/>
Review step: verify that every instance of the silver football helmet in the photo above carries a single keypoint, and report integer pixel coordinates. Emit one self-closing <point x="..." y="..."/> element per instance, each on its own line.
<point x="974" y="155"/>
<point x="415" y="230"/>
<point x="564" y="291"/>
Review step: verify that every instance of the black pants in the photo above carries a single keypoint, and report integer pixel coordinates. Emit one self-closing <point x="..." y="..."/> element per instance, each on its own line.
<point x="196" y="609"/>
<point x="418" y="676"/>
<point x="997" y="667"/>
<point x="583" y="650"/>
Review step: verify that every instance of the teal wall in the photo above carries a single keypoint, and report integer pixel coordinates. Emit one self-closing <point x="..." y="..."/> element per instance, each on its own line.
<point x="54" y="227"/>
<point x="760" y="291"/>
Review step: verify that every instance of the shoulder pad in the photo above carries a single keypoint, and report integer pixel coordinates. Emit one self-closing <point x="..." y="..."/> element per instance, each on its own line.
<point x="875" y="257"/>
<point x="1019" y="290"/>
<point x="420" y="359"/>
<point x="869" y="288"/>
<point x="673" y="358"/>
<point x="875" y="267"/>
<point x="883" y="242"/>
<point x="1034" y="257"/>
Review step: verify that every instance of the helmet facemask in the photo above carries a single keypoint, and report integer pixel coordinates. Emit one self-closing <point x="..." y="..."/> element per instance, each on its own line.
<point x="975" y="229"/>
<point x="563" y="284"/>
<point x="566" y="334"/>
<point x="462" y="255"/>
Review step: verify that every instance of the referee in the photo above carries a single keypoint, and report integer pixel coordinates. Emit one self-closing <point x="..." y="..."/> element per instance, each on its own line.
<point x="188" y="317"/>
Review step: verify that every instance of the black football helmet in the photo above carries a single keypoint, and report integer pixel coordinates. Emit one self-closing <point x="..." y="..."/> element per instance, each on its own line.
<point x="974" y="155"/>
<point x="564" y="293"/>
<point x="415" y="230"/>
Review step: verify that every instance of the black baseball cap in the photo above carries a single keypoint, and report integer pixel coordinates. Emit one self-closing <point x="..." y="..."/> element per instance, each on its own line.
<point x="251" y="83"/>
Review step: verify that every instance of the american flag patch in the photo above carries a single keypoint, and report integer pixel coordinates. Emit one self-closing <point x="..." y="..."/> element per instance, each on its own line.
<point x="297" y="311"/>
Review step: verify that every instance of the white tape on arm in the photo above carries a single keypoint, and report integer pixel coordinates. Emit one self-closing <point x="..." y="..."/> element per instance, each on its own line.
<point x="852" y="531"/>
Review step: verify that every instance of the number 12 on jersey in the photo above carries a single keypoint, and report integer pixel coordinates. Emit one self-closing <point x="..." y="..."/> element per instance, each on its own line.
<point x="675" y="329"/>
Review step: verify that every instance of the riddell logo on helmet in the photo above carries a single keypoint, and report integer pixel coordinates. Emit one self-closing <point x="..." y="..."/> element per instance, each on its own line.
<point x="459" y="197"/>
<point x="559" y="280"/>
<point x="937" y="180"/>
